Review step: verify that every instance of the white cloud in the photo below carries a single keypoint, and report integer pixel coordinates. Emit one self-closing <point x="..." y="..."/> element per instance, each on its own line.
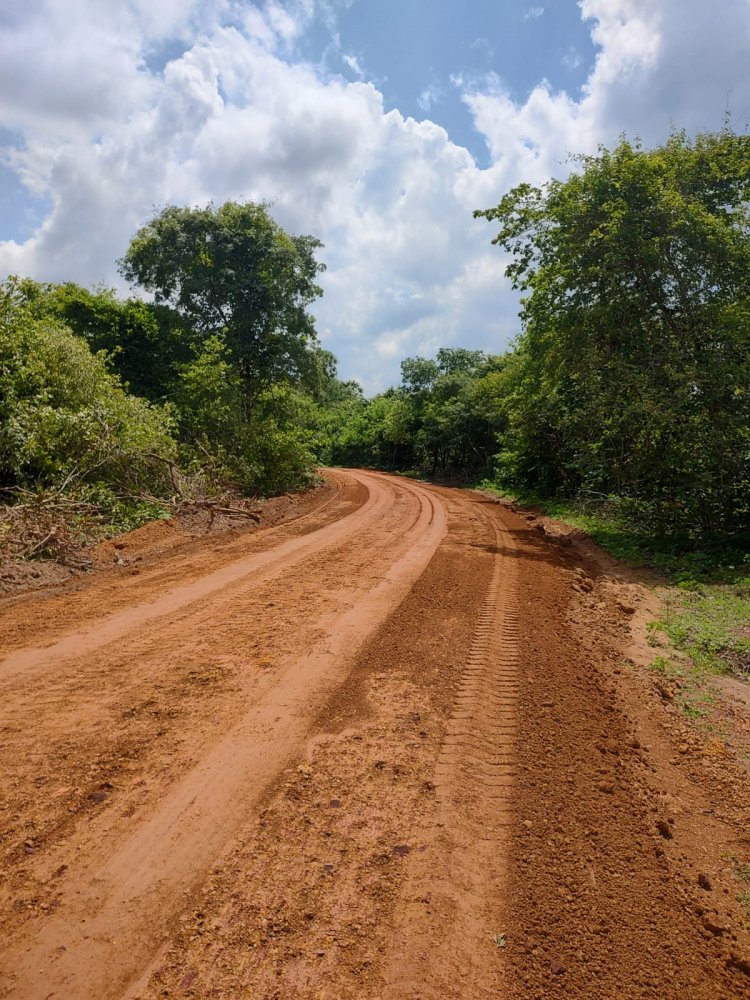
<point x="229" y="114"/>
<point x="533" y="13"/>
<point x="572" y="58"/>
<point x="354" y="65"/>
<point x="431" y="94"/>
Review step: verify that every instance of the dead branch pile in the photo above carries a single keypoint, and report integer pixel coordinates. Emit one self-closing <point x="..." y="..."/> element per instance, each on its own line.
<point x="197" y="491"/>
<point x="44" y="526"/>
<point x="51" y="525"/>
<point x="226" y="504"/>
<point x="58" y="523"/>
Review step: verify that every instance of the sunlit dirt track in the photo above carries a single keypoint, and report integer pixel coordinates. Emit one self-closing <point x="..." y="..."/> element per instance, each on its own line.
<point x="355" y="755"/>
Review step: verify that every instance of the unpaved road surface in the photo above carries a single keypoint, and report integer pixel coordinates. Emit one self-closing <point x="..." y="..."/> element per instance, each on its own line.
<point x="396" y="747"/>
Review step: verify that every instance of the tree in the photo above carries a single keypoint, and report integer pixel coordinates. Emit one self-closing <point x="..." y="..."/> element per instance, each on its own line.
<point x="419" y="374"/>
<point x="232" y="271"/>
<point x="452" y="425"/>
<point x="632" y="375"/>
<point x="144" y="342"/>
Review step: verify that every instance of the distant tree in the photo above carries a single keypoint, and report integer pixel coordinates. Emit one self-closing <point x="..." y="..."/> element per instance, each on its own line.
<point x="451" y="360"/>
<point x="233" y="271"/>
<point x="419" y="374"/>
<point x="445" y="417"/>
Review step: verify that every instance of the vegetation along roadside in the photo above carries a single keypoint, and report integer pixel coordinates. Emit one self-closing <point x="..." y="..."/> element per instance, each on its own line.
<point x="623" y="404"/>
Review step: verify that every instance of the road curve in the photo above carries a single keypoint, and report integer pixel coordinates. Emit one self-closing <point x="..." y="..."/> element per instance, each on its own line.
<point x="386" y="751"/>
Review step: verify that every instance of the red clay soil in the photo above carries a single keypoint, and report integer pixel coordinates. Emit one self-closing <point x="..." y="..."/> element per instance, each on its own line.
<point x="399" y="747"/>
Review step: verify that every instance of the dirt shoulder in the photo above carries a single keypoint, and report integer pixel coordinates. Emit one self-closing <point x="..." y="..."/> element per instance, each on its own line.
<point x="629" y="837"/>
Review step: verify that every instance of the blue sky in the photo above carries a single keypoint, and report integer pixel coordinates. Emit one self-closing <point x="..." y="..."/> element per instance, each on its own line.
<point x="377" y="125"/>
<point x="420" y="53"/>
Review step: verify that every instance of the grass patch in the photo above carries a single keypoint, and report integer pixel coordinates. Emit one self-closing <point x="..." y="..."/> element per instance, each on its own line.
<point x="692" y="696"/>
<point x="742" y="872"/>
<point x="684" y="561"/>
<point x="711" y="623"/>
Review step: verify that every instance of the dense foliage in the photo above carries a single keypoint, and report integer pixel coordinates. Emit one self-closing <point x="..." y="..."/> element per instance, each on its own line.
<point x="65" y="418"/>
<point x="444" y="417"/>
<point x="631" y="378"/>
<point x="221" y="375"/>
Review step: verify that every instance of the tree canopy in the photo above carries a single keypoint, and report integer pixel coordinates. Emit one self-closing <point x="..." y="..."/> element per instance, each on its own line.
<point x="632" y="374"/>
<point x="233" y="272"/>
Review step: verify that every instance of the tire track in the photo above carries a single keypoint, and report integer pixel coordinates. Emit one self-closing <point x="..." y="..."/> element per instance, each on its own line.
<point x="456" y="891"/>
<point x="260" y="566"/>
<point x="478" y="753"/>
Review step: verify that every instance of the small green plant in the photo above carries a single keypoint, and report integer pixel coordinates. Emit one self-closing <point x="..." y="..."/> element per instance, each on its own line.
<point x="653" y="630"/>
<point x="693" y="711"/>
<point x="661" y="665"/>
<point x="741" y="871"/>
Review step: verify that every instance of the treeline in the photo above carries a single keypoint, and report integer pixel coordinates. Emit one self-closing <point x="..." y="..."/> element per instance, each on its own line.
<point x="629" y="386"/>
<point x="631" y="379"/>
<point x="216" y="383"/>
<point x="444" y="418"/>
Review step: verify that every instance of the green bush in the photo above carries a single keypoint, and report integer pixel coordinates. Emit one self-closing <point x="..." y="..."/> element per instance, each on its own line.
<point x="65" y="418"/>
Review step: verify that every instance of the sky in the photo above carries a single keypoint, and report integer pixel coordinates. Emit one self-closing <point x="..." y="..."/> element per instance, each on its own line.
<point x="376" y="125"/>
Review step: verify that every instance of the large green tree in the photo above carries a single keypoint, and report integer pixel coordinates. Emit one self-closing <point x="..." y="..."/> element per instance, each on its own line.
<point x="235" y="273"/>
<point x="632" y="375"/>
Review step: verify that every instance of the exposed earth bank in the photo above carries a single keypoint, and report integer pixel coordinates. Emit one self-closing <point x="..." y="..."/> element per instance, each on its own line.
<point x="401" y="744"/>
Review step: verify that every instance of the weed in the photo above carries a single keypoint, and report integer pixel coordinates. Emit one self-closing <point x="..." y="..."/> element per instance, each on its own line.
<point x="662" y="665"/>
<point x="710" y="625"/>
<point x="742" y="871"/>
<point x="654" y="629"/>
<point x="692" y="710"/>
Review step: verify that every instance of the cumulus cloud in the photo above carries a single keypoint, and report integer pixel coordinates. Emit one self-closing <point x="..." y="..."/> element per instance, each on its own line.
<point x="107" y="133"/>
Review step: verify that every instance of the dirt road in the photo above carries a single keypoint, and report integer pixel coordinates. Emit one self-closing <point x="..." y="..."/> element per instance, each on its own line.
<point x="395" y="747"/>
